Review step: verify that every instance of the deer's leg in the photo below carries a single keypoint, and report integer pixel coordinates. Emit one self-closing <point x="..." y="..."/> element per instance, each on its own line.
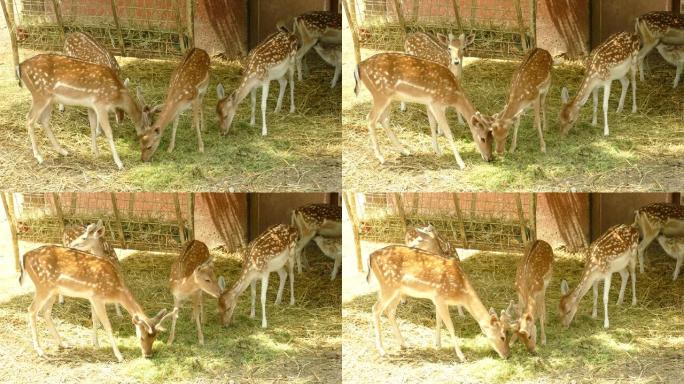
<point x="680" y="68"/>
<point x="443" y="313"/>
<point x="174" y="318"/>
<point x="624" y="83"/>
<point x="197" y="122"/>
<point x="460" y="118"/>
<point x="47" y="314"/>
<point x="172" y="144"/>
<point x="641" y="249"/>
<point x="282" y="276"/>
<point x="433" y="132"/>
<point x="264" y="289"/>
<point x="438" y="330"/>
<point x="45" y="123"/>
<point x="460" y="310"/>
<point x="542" y="97"/>
<point x="34" y="114"/>
<point x="264" y="101"/>
<point x="336" y="266"/>
<point x="538" y="111"/>
<point x="39" y="300"/>
<point x="594" y="310"/>
<point x="93" y="316"/>
<point x="336" y="76"/>
<point x="391" y="316"/>
<point x="92" y="119"/>
<point x="290" y="267"/>
<point x="253" y="96"/>
<point x="542" y="317"/>
<point x="606" y="292"/>
<point x="117" y="307"/>
<point x="632" y="72"/>
<point x="196" y="314"/>
<point x="606" y="99"/>
<point x="402" y="106"/>
<point x="375" y="113"/>
<point x="624" y="276"/>
<point x="514" y="141"/>
<point x="290" y="74"/>
<point x="438" y="113"/>
<point x="282" y="82"/>
<point x="378" y="308"/>
<point x="252" y="312"/>
<point x="385" y="121"/>
<point x="632" y="273"/>
<point x="61" y="299"/>
<point x="104" y="122"/>
<point x="101" y="312"/>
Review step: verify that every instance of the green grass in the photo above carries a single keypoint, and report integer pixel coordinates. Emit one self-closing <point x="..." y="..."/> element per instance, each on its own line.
<point x="301" y="344"/>
<point x="642" y="345"/>
<point x="643" y="152"/>
<point x="301" y="152"/>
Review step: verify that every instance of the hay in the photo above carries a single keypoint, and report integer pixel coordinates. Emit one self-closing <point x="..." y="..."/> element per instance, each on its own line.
<point x="301" y="344"/>
<point x="644" y="151"/>
<point x="301" y="152"/>
<point x="643" y="343"/>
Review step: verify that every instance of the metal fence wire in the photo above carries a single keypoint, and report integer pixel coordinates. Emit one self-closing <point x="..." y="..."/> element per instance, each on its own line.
<point x="139" y="28"/>
<point x="502" y="28"/>
<point x="484" y="221"/>
<point x="141" y="221"/>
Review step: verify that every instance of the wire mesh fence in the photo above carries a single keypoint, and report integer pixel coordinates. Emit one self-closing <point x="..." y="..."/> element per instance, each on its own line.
<point x="141" y="221"/>
<point x="485" y="221"/>
<point x="502" y="28"/>
<point x="140" y="28"/>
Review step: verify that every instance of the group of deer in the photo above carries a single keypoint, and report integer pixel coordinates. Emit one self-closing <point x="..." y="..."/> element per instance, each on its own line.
<point x="86" y="266"/>
<point x="88" y="75"/>
<point x="427" y="267"/>
<point x="430" y="71"/>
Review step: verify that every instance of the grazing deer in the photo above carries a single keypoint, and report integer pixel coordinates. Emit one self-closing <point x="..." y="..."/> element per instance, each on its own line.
<point x="445" y="50"/>
<point x="402" y="270"/>
<point x="57" y="270"/>
<point x="331" y="247"/>
<point x="269" y="252"/>
<point x="315" y="219"/>
<point x="673" y="246"/>
<point x="272" y="59"/>
<point x="611" y="60"/>
<point x="191" y="274"/>
<point x="530" y="85"/>
<point x="399" y="76"/>
<point x="331" y="54"/>
<point x="532" y="277"/>
<point x="189" y="82"/>
<point x="613" y="252"/>
<point x="655" y="219"/>
<point x="61" y="79"/>
<point x="657" y="27"/>
<point x="673" y="54"/>
<point x="315" y="27"/>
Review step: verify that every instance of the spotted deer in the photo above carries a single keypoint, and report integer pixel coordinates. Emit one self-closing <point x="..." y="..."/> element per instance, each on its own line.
<point x="331" y="54"/>
<point x="673" y="54"/>
<point x="316" y="27"/>
<point x="58" y="270"/>
<point x="655" y="219"/>
<point x="529" y="87"/>
<point x="191" y="274"/>
<point x="331" y="247"/>
<point x="188" y="85"/>
<point x="657" y="27"/>
<point x="269" y="252"/>
<point x="532" y="277"/>
<point x="402" y="270"/>
<point x="271" y="60"/>
<point x="61" y="79"/>
<point x="614" y="251"/>
<point x="400" y="76"/>
<point x="315" y="219"/>
<point x="443" y="49"/>
<point x="612" y="60"/>
<point x="674" y="247"/>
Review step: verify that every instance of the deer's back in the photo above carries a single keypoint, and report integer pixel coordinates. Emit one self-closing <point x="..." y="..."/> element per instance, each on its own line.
<point x="319" y="21"/>
<point x="615" y="50"/>
<point x="193" y="254"/>
<point x="189" y="75"/>
<point x="270" y="244"/>
<point x="83" y="46"/>
<point x="534" y="268"/>
<point x="276" y="49"/>
<point x="426" y="47"/>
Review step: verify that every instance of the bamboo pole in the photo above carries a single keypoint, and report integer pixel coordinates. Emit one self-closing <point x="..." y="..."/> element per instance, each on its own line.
<point x="400" y="210"/>
<point x="58" y="15"/>
<point x="521" y="218"/>
<point x="350" y="13"/>
<point x="350" y="204"/>
<point x="190" y="9"/>
<point x="117" y="217"/>
<point x="131" y="204"/>
<point x="118" y="28"/>
<point x="521" y="24"/>
<point x="72" y="205"/>
<point x="402" y="21"/>
<point x="459" y="217"/>
<point x="179" y="25"/>
<point x="179" y="218"/>
<point x="58" y="208"/>
<point x="11" y="28"/>
<point x="9" y="211"/>
<point x="457" y="15"/>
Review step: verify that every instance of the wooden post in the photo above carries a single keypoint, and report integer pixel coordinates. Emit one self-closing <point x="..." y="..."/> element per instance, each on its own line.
<point x="521" y="24"/>
<point x="400" y="210"/>
<point x="350" y="204"/>
<point x="533" y="23"/>
<point x="533" y="217"/>
<point x="459" y="217"/>
<point x="117" y="217"/>
<point x="350" y="13"/>
<point x="11" y="28"/>
<point x="191" y="212"/>
<point x="131" y="204"/>
<point x="179" y="218"/>
<point x="122" y="46"/>
<point x="402" y="21"/>
<point x="72" y="205"/>
<point x="190" y="9"/>
<point x="521" y="218"/>
<point x="58" y="209"/>
<point x="179" y="25"/>
<point x="9" y="211"/>
<point x="457" y="15"/>
<point x="58" y="14"/>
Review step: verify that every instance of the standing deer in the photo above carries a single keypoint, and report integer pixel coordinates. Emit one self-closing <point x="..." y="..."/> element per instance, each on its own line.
<point x="445" y="50"/>
<point x="529" y="87"/>
<point x="269" y="252"/>
<point x="189" y="82"/>
<point x="191" y="274"/>
<point x="613" y="252"/>
<point x="403" y="77"/>
<point x="61" y="79"/>
<point x="312" y="28"/>
<point x="673" y="246"/>
<point x="611" y="60"/>
<point x="315" y="219"/>
<point x="331" y="247"/>
<point x="673" y="54"/>
<point x="532" y="277"/>
<point x="57" y="270"/>
<point x="654" y="28"/>
<point x="655" y="219"/>
<point x="331" y="54"/>
<point x="272" y="59"/>
<point x="402" y="270"/>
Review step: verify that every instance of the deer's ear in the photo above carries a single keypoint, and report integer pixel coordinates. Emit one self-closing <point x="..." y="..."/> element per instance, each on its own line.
<point x="444" y="39"/>
<point x="139" y="94"/>
<point x="564" y="287"/>
<point x="220" y="91"/>
<point x="468" y="40"/>
<point x="565" y="95"/>
<point x="158" y="325"/>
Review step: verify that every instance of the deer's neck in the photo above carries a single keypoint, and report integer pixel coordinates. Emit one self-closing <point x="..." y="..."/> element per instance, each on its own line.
<point x="587" y="279"/>
<point x="462" y="104"/>
<point x="129" y="303"/>
<point x="243" y="282"/>
<point x="247" y="83"/>
<point x="589" y="82"/>
<point x="475" y="307"/>
<point x="133" y="110"/>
